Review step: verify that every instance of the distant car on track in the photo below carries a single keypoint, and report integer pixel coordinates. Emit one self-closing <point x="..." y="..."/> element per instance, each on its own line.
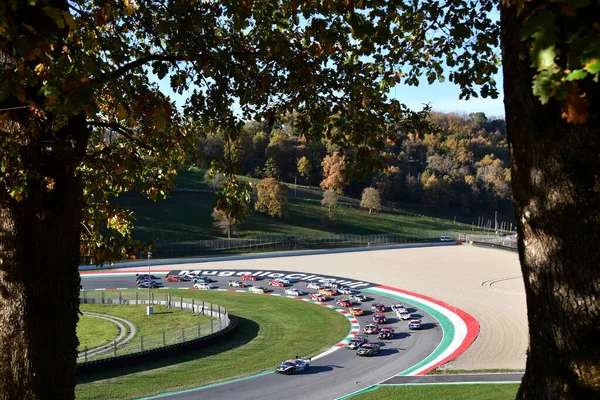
<point x="343" y="302"/>
<point x="356" y="342"/>
<point x="404" y="316"/>
<point x="314" y="285"/>
<point x="328" y="291"/>
<point x="249" y="277"/>
<point x="347" y="290"/>
<point x="318" y="297"/>
<point x="288" y="281"/>
<point x="175" y="278"/>
<point x="414" y="324"/>
<point x="144" y="277"/>
<point x="445" y="239"/>
<point x="386" y="332"/>
<point x="368" y="350"/>
<point x="397" y="307"/>
<point x="371" y="329"/>
<point x="356" y="311"/>
<point x="203" y="279"/>
<point x="379" y="307"/>
<point x="277" y="283"/>
<point x="292" y="366"/>
<point x="359" y="298"/>
<point x="379" y="318"/>
<point x="257" y="289"/>
<point x="149" y="284"/>
<point x="204" y="286"/>
<point x="294" y="292"/>
<point x="238" y="284"/>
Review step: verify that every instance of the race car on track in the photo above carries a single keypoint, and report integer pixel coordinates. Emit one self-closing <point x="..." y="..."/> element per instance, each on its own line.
<point x="144" y="277"/>
<point x="277" y="283"/>
<point x="414" y="324"/>
<point x="294" y="292"/>
<point x="356" y="311"/>
<point x="249" y="277"/>
<point x="175" y="278"/>
<point x="149" y="284"/>
<point x="379" y="307"/>
<point x="347" y="290"/>
<point x="204" y="286"/>
<point x="356" y="342"/>
<point x="238" y="284"/>
<point x="314" y="285"/>
<point x="379" y="318"/>
<point x="318" y="297"/>
<point x="359" y="298"/>
<point x="257" y="289"/>
<point x="288" y="281"/>
<point x="386" y="332"/>
<point x="328" y="291"/>
<point x="371" y="329"/>
<point x="343" y="302"/>
<point x="404" y="316"/>
<point x="292" y="366"/>
<point x="368" y="349"/>
<point x="397" y="307"/>
<point x="203" y="279"/>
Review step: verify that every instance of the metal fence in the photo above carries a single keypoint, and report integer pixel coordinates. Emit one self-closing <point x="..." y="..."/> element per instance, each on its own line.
<point x="168" y="249"/>
<point x="509" y="241"/>
<point x="132" y="343"/>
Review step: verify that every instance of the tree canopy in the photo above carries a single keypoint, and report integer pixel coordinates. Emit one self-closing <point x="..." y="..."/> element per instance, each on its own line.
<point x="81" y="121"/>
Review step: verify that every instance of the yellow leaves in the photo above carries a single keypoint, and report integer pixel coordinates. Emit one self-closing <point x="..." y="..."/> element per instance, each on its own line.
<point x="121" y="112"/>
<point x="591" y="64"/>
<point x="49" y="184"/>
<point x="39" y="69"/>
<point x="129" y="7"/>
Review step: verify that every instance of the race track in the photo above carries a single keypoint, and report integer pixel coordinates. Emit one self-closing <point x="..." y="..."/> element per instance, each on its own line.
<point x="480" y="281"/>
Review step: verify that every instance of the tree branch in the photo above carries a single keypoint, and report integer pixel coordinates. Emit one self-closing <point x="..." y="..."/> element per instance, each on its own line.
<point x="123" y="131"/>
<point x="138" y="63"/>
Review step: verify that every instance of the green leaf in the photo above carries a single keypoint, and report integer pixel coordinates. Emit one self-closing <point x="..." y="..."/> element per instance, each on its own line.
<point x="577" y="74"/>
<point x="546" y="58"/>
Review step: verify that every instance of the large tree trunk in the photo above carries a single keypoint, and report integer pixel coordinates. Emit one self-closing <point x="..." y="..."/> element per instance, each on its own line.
<point x="556" y="191"/>
<point x="39" y="283"/>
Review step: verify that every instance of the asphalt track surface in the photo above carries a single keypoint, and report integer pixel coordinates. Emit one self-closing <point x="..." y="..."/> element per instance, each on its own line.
<point x="332" y="376"/>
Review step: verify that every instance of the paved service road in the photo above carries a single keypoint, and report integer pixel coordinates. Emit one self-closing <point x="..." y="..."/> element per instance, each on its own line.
<point x="329" y="377"/>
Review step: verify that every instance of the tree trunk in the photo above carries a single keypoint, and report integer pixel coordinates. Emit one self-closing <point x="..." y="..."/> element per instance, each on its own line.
<point x="556" y="191"/>
<point x="39" y="290"/>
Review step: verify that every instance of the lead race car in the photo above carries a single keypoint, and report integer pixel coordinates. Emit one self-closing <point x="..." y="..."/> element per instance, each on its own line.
<point x="292" y="366"/>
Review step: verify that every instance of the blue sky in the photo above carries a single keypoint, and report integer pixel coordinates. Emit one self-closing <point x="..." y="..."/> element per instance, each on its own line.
<point x="443" y="97"/>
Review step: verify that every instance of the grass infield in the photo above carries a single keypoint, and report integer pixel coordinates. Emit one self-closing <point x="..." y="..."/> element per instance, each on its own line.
<point x="269" y="330"/>
<point x="505" y="391"/>
<point x="93" y="332"/>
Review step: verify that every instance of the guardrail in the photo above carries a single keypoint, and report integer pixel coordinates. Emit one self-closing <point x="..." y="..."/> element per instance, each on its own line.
<point x="132" y="345"/>
<point x="503" y="241"/>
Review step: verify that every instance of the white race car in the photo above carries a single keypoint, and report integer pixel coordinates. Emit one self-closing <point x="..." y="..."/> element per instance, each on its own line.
<point x="291" y="366"/>
<point x="397" y="307"/>
<point x="294" y="292"/>
<point x="359" y="298"/>
<point x="404" y="316"/>
<point x="204" y="286"/>
<point x="414" y="324"/>
<point x="347" y="290"/>
<point x="314" y="285"/>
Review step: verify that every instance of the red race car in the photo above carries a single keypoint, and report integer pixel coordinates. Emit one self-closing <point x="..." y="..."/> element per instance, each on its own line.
<point x="277" y="283"/>
<point x="343" y="302"/>
<point x="175" y="278"/>
<point x="249" y="277"/>
<point x="318" y="297"/>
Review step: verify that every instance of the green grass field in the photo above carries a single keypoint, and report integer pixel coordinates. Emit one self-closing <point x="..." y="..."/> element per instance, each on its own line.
<point x="443" y="392"/>
<point x="269" y="330"/>
<point x="93" y="332"/>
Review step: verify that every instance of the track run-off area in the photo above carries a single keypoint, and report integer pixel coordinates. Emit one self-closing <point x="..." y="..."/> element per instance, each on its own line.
<point x="443" y="284"/>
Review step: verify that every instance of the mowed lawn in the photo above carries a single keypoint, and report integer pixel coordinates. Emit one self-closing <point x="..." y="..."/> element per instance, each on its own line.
<point x="93" y="332"/>
<point x="270" y="329"/>
<point x="506" y="391"/>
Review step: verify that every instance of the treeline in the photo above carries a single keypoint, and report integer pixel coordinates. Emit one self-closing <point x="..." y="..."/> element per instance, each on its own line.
<point x="460" y="163"/>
